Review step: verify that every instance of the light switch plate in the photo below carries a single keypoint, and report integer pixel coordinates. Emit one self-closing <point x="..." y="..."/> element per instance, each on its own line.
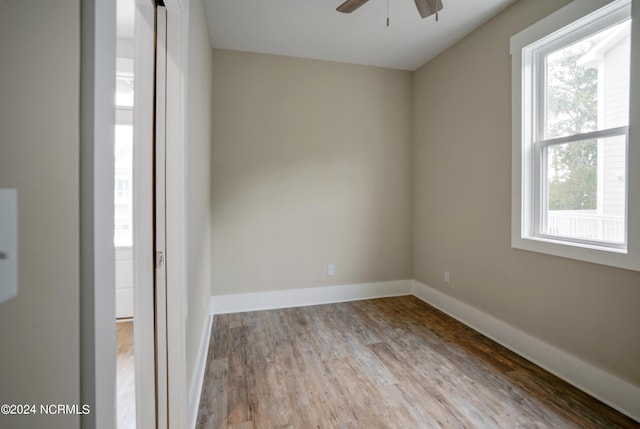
<point x="8" y="244"/>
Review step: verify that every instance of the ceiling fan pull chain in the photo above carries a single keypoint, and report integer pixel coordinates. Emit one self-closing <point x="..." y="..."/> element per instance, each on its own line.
<point x="436" y="16"/>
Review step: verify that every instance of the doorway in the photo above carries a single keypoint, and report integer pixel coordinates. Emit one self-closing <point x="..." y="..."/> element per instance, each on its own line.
<point x="97" y="298"/>
<point x="123" y="215"/>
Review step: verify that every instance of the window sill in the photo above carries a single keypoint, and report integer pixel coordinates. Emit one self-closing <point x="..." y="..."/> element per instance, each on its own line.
<point x="620" y="258"/>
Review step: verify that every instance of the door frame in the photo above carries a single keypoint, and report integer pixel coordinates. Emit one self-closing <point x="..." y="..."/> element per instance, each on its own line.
<point x="176" y="135"/>
<point x="97" y="272"/>
<point x="97" y="254"/>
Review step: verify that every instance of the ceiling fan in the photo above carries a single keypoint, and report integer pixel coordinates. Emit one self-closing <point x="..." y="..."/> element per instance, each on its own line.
<point x="425" y="7"/>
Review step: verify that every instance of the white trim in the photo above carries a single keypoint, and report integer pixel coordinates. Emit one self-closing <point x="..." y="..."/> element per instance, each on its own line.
<point x="124" y="303"/>
<point x="177" y="24"/>
<point x="608" y="388"/>
<point x="197" y="377"/>
<point x="223" y="304"/>
<point x="97" y="255"/>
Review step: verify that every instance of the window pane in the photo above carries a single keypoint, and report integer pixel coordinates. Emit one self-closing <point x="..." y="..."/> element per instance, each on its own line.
<point x="585" y="193"/>
<point x="587" y="84"/>
<point x="123" y="214"/>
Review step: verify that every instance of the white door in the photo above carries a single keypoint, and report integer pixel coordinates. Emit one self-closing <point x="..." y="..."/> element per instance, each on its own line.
<point x="160" y="218"/>
<point x="149" y="158"/>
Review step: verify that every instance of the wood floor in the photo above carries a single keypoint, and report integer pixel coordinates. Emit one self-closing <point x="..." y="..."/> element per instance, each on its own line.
<point x="125" y="383"/>
<point x="385" y="363"/>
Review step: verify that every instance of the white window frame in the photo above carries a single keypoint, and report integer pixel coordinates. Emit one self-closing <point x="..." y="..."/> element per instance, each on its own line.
<point x="571" y="23"/>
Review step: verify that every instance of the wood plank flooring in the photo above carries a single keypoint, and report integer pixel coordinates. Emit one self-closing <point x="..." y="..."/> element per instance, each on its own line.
<point x="125" y="382"/>
<point x="384" y="363"/>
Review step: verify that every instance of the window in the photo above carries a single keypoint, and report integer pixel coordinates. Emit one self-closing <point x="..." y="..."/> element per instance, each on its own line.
<point x="122" y="188"/>
<point x="573" y="136"/>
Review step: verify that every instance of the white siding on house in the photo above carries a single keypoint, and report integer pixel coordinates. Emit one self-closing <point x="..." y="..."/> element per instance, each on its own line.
<point x="616" y="82"/>
<point x="614" y="154"/>
<point x="615" y="113"/>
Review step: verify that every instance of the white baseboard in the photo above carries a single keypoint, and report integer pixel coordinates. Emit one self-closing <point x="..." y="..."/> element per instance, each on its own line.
<point x="608" y="388"/>
<point x="124" y="303"/>
<point x="222" y="304"/>
<point x="197" y="377"/>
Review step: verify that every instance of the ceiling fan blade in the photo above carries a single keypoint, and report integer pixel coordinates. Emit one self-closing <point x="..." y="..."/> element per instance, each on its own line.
<point x="428" y="7"/>
<point x="351" y="5"/>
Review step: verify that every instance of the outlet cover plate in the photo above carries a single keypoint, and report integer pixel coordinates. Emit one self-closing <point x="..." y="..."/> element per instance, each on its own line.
<point x="331" y="270"/>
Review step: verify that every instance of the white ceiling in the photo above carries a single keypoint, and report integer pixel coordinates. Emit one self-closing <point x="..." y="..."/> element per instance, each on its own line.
<point x="314" y="29"/>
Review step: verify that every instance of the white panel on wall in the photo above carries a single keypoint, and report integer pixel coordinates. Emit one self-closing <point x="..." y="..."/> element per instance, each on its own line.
<point x="8" y="244"/>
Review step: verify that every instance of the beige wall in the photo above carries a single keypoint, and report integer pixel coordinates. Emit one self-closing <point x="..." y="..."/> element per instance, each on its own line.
<point x="39" y="155"/>
<point x="198" y="182"/>
<point x="311" y="165"/>
<point x="462" y="117"/>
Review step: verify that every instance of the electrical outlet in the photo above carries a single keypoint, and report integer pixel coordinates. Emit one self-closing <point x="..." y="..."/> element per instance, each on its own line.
<point x="447" y="277"/>
<point x="331" y="270"/>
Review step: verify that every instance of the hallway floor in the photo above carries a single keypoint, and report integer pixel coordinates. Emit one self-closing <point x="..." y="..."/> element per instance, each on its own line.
<point x="126" y="398"/>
